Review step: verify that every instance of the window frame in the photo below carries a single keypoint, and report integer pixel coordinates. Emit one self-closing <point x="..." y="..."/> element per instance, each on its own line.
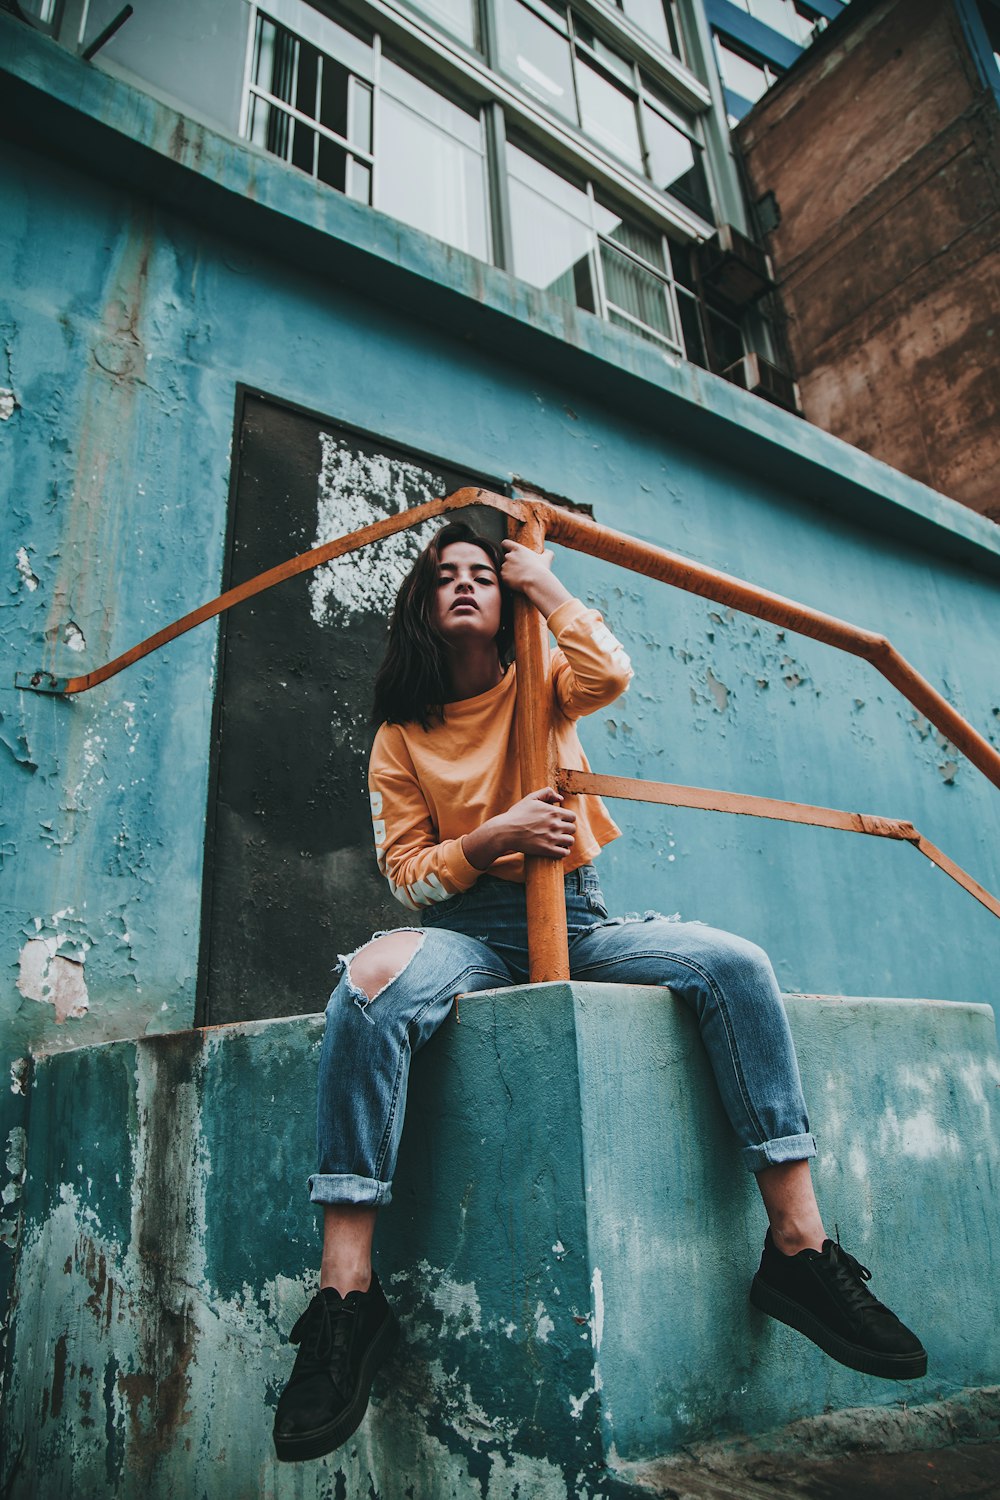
<point x="503" y="110"/>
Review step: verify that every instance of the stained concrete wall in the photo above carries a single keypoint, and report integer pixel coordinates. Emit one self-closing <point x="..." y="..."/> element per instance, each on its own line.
<point x="152" y="266"/>
<point x="886" y="274"/>
<point x="569" y="1248"/>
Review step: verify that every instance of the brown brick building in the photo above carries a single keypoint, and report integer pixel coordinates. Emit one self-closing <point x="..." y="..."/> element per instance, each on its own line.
<point x="875" y="165"/>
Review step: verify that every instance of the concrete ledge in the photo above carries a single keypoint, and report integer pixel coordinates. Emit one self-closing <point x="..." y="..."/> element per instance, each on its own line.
<point x="569" y="1248"/>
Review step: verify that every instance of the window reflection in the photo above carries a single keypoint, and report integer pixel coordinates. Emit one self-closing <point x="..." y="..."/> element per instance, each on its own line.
<point x="552" y="233"/>
<point x="748" y="79"/>
<point x="657" y="19"/>
<point x="457" y="16"/>
<point x="608" y="114"/>
<point x="538" y="56"/>
<point x="431" y="168"/>
<point x="675" y="164"/>
<point x="577" y="247"/>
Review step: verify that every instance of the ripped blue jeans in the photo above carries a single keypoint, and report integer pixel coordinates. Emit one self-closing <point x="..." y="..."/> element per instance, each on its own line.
<point x="478" y="941"/>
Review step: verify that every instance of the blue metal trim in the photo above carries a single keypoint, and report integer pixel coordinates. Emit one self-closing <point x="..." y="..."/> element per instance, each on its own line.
<point x="831" y="9"/>
<point x="979" y="45"/>
<point x="747" y="32"/>
<point x="736" y="104"/>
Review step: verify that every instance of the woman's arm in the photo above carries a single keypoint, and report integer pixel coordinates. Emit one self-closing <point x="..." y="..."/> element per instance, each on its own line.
<point x="421" y="868"/>
<point x="538" y="824"/>
<point x="590" y="669"/>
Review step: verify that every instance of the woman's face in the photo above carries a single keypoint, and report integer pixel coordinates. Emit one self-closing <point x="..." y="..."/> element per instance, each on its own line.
<point x="466" y="605"/>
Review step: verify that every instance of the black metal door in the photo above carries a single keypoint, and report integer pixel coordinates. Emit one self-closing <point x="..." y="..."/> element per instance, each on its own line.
<point x="290" y="874"/>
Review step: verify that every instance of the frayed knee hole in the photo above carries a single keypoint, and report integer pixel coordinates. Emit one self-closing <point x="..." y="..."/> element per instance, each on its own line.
<point x="371" y="969"/>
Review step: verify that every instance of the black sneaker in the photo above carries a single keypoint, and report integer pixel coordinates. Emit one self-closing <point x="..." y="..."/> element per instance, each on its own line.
<point x="822" y="1293"/>
<point x="342" y="1342"/>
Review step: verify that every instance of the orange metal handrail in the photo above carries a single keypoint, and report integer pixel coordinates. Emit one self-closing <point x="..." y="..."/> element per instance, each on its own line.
<point x="534" y="521"/>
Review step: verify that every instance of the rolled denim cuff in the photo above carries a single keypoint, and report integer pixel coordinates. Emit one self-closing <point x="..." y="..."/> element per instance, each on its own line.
<point x="773" y="1153"/>
<point x="344" y="1187"/>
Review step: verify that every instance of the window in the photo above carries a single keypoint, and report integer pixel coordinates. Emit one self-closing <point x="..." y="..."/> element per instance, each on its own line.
<point x="328" y="98"/>
<point x="991" y="21"/>
<point x="45" y="14"/>
<point x="314" y="108"/>
<point x="459" y="17"/>
<point x="560" y="60"/>
<point x="792" y="20"/>
<point x="431" y="169"/>
<point x="674" y="154"/>
<point x="658" y="19"/>
<point x="570" y="241"/>
<point x="747" y="77"/>
<point x="536" y="53"/>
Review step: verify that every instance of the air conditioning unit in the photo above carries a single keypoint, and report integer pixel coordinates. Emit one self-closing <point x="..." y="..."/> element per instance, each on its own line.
<point x="734" y="269"/>
<point x="758" y="376"/>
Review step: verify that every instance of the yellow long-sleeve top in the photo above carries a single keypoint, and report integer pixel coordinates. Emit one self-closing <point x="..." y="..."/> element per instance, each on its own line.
<point x="429" y="787"/>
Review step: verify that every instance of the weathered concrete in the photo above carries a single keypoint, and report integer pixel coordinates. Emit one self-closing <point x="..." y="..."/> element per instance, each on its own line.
<point x="569" y="1246"/>
<point x="887" y="275"/>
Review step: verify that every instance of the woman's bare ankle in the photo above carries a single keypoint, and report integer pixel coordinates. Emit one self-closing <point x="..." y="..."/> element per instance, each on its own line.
<point x="792" y="1238"/>
<point x="345" y="1278"/>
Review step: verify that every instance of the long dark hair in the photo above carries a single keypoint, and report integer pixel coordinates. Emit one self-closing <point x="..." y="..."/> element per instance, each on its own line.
<point x="413" y="682"/>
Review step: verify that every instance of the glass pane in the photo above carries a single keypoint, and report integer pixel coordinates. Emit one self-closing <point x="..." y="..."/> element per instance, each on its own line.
<point x="636" y="291"/>
<point x="303" y="148"/>
<point x="331" y="166"/>
<point x="429" y="179"/>
<point x="551" y="243"/>
<point x="725" y="339"/>
<point x="694" y="344"/>
<point x="359" y="129"/>
<point x="779" y="14"/>
<point x="307" y="81"/>
<point x="740" y="74"/>
<point x="608" y="114"/>
<point x="270" y="127"/>
<point x="335" y="84"/>
<point x="635" y="237"/>
<point x="604" y="54"/>
<point x="275" y="59"/>
<point x="675" y="163"/>
<point x="680" y="264"/>
<point x="526" y="168"/>
<point x="43" y="11"/>
<point x="456" y="16"/>
<point x="430" y="105"/>
<point x="538" y="57"/>
<point x="359" y="181"/>
<point x="656" y="21"/>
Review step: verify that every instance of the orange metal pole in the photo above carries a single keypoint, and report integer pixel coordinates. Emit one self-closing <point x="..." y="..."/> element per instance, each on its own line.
<point x="584" y="535"/>
<point x="548" y="949"/>
<point x="304" y="563"/>
<point x="592" y="784"/>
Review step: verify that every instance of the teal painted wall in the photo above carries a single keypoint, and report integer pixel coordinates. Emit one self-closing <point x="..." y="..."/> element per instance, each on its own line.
<point x="569" y="1248"/>
<point x="152" y="267"/>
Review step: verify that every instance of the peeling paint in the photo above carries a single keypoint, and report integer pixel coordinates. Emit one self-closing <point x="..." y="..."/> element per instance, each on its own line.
<point x="28" y="575"/>
<point x="356" y="490"/>
<point x="543" y="1324"/>
<point x="8" y="402"/>
<point x="49" y="977"/>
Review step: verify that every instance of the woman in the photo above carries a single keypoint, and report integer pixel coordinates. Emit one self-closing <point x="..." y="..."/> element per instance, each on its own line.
<point x="452" y="826"/>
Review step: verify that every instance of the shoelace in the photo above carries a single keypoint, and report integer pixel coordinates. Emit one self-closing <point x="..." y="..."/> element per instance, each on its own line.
<point x="325" y="1334"/>
<point x="849" y="1276"/>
